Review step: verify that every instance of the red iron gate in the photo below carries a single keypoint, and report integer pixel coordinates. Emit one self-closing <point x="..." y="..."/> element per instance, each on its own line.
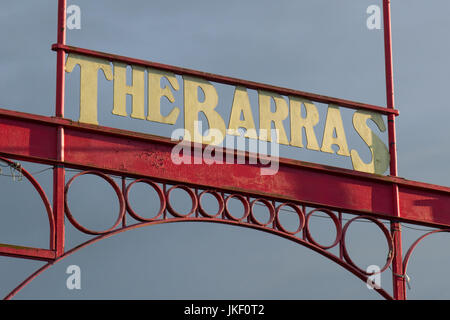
<point x="299" y="187"/>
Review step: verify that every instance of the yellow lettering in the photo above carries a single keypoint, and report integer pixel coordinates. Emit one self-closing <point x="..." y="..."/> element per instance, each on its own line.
<point x="266" y="117"/>
<point x="379" y="151"/>
<point x="88" y="83"/>
<point x="136" y="90"/>
<point x="333" y="124"/>
<point x="298" y="123"/>
<point x="241" y="104"/>
<point x="192" y="107"/>
<point x="155" y="93"/>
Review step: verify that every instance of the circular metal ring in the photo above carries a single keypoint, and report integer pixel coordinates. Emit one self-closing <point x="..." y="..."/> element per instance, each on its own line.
<point x="116" y="189"/>
<point x="301" y="217"/>
<point x="162" y="200"/>
<point x="219" y="200"/>
<point x="193" y="198"/>
<point x="269" y="206"/>
<point x="337" y="224"/>
<point x="244" y="202"/>
<point x="386" y="234"/>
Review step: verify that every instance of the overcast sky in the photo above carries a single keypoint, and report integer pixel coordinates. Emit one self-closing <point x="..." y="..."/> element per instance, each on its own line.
<point x="320" y="46"/>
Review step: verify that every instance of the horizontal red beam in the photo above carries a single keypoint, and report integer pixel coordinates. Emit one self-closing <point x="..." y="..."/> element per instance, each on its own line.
<point x="121" y="152"/>
<point x="26" y="252"/>
<point x="227" y="80"/>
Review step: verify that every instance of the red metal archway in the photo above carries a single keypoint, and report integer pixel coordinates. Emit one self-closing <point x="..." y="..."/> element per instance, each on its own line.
<point x="299" y="187"/>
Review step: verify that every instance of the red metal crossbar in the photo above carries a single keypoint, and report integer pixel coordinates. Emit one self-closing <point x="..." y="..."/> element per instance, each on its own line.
<point x="33" y="138"/>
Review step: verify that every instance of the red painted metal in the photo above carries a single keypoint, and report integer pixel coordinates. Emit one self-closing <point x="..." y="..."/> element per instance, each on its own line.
<point x="397" y="269"/>
<point x="414" y="245"/>
<point x="191" y="194"/>
<point x="390" y="242"/>
<point x="301" y="236"/>
<point x="298" y="185"/>
<point x="119" y="196"/>
<point x="120" y="152"/>
<point x="326" y="254"/>
<point x="228" y="218"/>
<point x="159" y="191"/>
<point x="58" y="171"/>
<point x="337" y="225"/>
<point x="60" y="59"/>
<point x="27" y="252"/>
<point x="268" y="205"/>
<point x="226" y="80"/>
<point x="298" y="211"/>
<point x="219" y="199"/>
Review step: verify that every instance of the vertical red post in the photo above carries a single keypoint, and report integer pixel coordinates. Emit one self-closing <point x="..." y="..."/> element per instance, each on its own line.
<point x="397" y="266"/>
<point x="58" y="171"/>
<point x="124" y="192"/>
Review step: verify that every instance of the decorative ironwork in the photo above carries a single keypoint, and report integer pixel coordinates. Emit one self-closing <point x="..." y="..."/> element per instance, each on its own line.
<point x="168" y="214"/>
<point x="24" y="173"/>
<point x="143" y="151"/>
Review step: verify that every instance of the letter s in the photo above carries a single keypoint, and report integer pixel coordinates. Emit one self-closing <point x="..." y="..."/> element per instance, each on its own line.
<point x="379" y="151"/>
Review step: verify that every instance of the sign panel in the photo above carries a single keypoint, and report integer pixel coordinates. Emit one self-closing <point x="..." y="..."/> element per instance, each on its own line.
<point x="241" y="115"/>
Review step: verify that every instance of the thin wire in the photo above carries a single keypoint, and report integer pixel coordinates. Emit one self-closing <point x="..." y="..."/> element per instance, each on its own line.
<point x="17" y="166"/>
<point x="418" y="229"/>
<point x="112" y="175"/>
<point x="32" y="173"/>
<point x="387" y="223"/>
<point x="317" y="215"/>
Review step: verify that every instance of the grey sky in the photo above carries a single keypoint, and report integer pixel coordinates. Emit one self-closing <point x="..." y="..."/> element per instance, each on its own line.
<point x="320" y="46"/>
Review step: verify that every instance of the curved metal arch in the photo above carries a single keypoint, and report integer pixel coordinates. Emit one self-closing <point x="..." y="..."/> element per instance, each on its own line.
<point x="302" y="242"/>
<point x="414" y="245"/>
<point x="43" y="196"/>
